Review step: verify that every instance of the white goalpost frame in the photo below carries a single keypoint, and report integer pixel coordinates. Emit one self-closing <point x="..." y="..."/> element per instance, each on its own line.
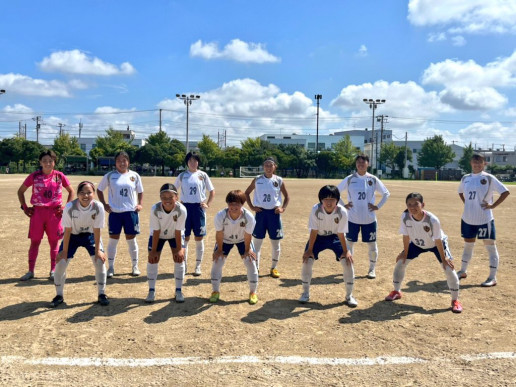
<point x="251" y="171"/>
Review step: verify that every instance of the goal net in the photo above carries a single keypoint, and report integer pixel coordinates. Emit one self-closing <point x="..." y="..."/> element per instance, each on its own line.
<point x="251" y="171"/>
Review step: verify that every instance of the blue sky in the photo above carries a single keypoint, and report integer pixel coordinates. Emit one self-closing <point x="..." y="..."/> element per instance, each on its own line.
<point x="444" y="67"/>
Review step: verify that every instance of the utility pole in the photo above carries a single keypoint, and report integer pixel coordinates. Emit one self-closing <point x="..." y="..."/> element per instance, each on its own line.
<point x="225" y="138"/>
<point x="25" y="131"/>
<point x="80" y="128"/>
<point x="318" y="98"/>
<point x="38" y="126"/>
<point x="19" y="129"/>
<point x="160" y="119"/>
<point x="381" y="118"/>
<point x="405" y="168"/>
<point x="61" y="128"/>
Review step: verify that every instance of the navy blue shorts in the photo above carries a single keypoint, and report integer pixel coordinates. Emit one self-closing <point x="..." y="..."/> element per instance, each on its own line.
<point x="327" y="242"/>
<point x="129" y="220"/>
<point x="414" y="251"/>
<point x="368" y="232"/>
<point x="270" y="222"/>
<point x="226" y="248"/>
<point x="85" y="239"/>
<point x="195" y="220"/>
<point x="161" y="243"/>
<point x="482" y="231"/>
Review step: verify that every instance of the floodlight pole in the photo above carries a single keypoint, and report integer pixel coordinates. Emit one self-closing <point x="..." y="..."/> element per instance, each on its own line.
<point x="317" y="97"/>
<point x="187" y="99"/>
<point x="373" y="104"/>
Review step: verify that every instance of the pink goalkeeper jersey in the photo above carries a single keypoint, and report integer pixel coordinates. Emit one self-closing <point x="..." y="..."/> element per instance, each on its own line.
<point x="47" y="190"/>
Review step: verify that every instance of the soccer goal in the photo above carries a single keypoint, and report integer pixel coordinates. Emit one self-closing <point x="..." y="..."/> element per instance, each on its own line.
<point x="251" y="171"/>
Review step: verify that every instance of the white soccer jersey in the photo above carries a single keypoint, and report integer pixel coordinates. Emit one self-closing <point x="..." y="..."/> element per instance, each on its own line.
<point x="424" y="232"/>
<point x="267" y="192"/>
<point x="234" y="230"/>
<point x="123" y="189"/>
<point x="193" y="186"/>
<point x="328" y="224"/>
<point x="167" y="223"/>
<point x="83" y="219"/>
<point x="361" y="191"/>
<point x="478" y="188"/>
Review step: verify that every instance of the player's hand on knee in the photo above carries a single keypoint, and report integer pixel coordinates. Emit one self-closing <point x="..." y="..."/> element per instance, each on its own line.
<point x="448" y="262"/>
<point x="217" y="254"/>
<point x="60" y="256"/>
<point x="251" y="255"/>
<point x="153" y="257"/>
<point x="348" y="257"/>
<point x="307" y="255"/>
<point x="100" y="255"/>
<point x="401" y="256"/>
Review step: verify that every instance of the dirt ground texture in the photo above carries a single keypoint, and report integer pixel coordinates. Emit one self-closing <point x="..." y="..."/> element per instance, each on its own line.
<point x="420" y="325"/>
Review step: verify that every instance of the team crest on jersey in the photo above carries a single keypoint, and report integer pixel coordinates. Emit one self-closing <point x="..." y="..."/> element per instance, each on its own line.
<point x="93" y="216"/>
<point x="336" y="220"/>
<point x="370" y="182"/>
<point x="483" y="181"/>
<point x="132" y="178"/>
<point x="201" y="178"/>
<point x="175" y="218"/>
<point x="275" y="184"/>
<point x="426" y="228"/>
<point x="242" y="224"/>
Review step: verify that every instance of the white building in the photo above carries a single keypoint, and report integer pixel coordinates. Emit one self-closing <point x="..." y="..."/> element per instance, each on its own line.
<point x="88" y="143"/>
<point x="308" y="141"/>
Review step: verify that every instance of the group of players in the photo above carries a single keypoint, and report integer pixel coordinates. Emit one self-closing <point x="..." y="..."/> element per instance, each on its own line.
<point x="334" y="224"/>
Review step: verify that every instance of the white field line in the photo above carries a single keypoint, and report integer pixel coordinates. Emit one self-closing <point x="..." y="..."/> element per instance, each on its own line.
<point x="293" y="360"/>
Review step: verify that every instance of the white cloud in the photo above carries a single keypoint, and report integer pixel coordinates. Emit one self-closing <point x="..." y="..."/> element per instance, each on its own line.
<point x="466" y="98"/>
<point x="25" y="85"/>
<point x="458" y="41"/>
<point x="77" y="62"/>
<point x="436" y="37"/>
<point x="236" y="50"/>
<point x="362" y="51"/>
<point x="471" y="16"/>
<point x="486" y="134"/>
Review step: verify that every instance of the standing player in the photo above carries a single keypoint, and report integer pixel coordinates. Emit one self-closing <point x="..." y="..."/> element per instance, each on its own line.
<point x="167" y="224"/>
<point x="476" y="192"/>
<point x="422" y="233"/>
<point x="125" y="195"/>
<point x="46" y="213"/>
<point x="82" y="220"/>
<point x="328" y="223"/>
<point x="268" y="207"/>
<point x="193" y="184"/>
<point x="361" y="188"/>
<point x="234" y="226"/>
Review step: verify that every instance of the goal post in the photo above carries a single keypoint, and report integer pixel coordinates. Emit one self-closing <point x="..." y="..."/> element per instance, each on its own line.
<point x="251" y="171"/>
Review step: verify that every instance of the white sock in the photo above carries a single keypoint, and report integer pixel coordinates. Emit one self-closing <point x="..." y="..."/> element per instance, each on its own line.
<point x="252" y="274"/>
<point x="179" y="274"/>
<point x="111" y="251"/>
<point x="350" y="246"/>
<point x="152" y="275"/>
<point x="186" y="253"/>
<point x="60" y="276"/>
<point x="373" y="254"/>
<point x="276" y="250"/>
<point x="467" y="254"/>
<point x="399" y="274"/>
<point x="100" y="275"/>
<point x="349" y="276"/>
<point x="216" y="273"/>
<point x="133" y="251"/>
<point x="453" y="282"/>
<point x="494" y="260"/>
<point x="257" y="248"/>
<point x="306" y="274"/>
<point x="199" y="252"/>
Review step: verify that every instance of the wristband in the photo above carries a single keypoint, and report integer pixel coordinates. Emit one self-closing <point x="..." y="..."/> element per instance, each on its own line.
<point x="24" y="207"/>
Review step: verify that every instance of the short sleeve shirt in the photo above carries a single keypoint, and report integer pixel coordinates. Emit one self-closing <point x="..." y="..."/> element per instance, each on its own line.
<point x="47" y="190"/>
<point x="267" y="192"/>
<point x="234" y="230"/>
<point x="167" y="223"/>
<point x="424" y="232"/>
<point x="193" y="186"/>
<point x="123" y="189"/>
<point x="328" y="224"/>
<point x="83" y="219"/>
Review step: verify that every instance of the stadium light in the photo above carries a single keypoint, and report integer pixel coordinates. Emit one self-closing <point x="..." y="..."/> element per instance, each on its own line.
<point x="373" y="104"/>
<point x="2" y="91"/>
<point x="318" y="97"/>
<point x="187" y="99"/>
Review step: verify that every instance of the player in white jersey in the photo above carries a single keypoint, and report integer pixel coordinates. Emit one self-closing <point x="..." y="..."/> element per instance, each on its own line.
<point x="125" y="195"/>
<point x="83" y="219"/>
<point x="167" y="224"/>
<point x="193" y="185"/>
<point x="422" y="233"/>
<point x="234" y="226"/>
<point x="268" y="206"/>
<point x="476" y="192"/>
<point x="327" y="224"/>
<point x="361" y="189"/>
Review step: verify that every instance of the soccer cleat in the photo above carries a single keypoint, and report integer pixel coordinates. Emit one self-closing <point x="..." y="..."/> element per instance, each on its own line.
<point x="136" y="272"/>
<point x="488" y="283"/>
<point x="197" y="271"/>
<point x="51" y="276"/>
<point x="275" y="273"/>
<point x="253" y="298"/>
<point x="180" y="297"/>
<point x="56" y="301"/>
<point x="103" y="300"/>
<point x="371" y="274"/>
<point x="110" y="272"/>
<point x="394" y="295"/>
<point x="27" y="276"/>
<point x="214" y="297"/>
<point x="351" y="302"/>
<point x="462" y="274"/>
<point x="305" y="297"/>
<point x="150" y="297"/>
<point x="456" y="306"/>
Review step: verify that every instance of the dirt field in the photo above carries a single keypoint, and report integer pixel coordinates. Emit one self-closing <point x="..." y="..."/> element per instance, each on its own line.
<point x="414" y="341"/>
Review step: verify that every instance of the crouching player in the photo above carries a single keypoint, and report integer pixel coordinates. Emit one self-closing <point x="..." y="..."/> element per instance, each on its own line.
<point x="234" y="225"/>
<point x="82" y="220"/>
<point x="422" y="232"/>
<point x="167" y="224"/>
<point x="328" y="224"/>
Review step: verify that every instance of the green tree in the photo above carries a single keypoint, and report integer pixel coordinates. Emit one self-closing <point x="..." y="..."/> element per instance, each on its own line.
<point x="464" y="161"/>
<point x="161" y="150"/>
<point x="400" y="157"/>
<point x="388" y="154"/>
<point x="344" y="154"/>
<point x="230" y="158"/>
<point x="210" y="152"/>
<point x="255" y="151"/>
<point x="110" y="144"/>
<point x="435" y="153"/>
<point x="65" y="145"/>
